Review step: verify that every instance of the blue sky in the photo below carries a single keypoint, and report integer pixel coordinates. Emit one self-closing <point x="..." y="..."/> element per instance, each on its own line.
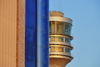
<point x="86" y="30"/>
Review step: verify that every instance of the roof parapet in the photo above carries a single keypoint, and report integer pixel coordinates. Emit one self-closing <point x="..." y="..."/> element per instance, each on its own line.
<point x="56" y="13"/>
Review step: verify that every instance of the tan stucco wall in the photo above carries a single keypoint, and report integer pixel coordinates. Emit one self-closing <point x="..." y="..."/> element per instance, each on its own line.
<point x="8" y="14"/>
<point x="20" y="53"/>
<point x="12" y="33"/>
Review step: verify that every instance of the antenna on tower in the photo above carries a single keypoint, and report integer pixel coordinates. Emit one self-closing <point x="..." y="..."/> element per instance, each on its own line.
<point x="61" y="8"/>
<point x="59" y="5"/>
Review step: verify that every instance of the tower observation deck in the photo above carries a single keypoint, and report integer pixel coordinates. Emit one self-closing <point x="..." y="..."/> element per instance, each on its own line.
<point x="59" y="39"/>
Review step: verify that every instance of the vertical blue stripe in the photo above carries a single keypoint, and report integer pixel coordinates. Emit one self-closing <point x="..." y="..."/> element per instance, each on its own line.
<point x="37" y="33"/>
<point x="30" y="34"/>
<point x="42" y="33"/>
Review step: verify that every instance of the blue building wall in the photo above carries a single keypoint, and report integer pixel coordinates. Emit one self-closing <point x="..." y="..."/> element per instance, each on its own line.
<point x="42" y="33"/>
<point x="37" y="33"/>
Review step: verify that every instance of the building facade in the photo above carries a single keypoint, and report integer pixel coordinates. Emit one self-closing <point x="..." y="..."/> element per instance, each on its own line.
<point x="37" y="33"/>
<point x="31" y="36"/>
<point x="24" y="33"/>
<point x="12" y="33"/>
<point x="59" y="39"/>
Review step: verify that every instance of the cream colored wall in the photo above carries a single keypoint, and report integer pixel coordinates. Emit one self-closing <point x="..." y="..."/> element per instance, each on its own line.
<point x="8" y="14"/>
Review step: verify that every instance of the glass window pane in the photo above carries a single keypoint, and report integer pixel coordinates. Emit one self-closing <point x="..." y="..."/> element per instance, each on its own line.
<point x="49" y="48"/>
<point x="59" y="39"/>
<point x="52" y="27"/>
<point x="67" y="50"/>
<point x="49" y="27"/>
<point x="59" y="49"/>
<point x="62" y="28"/>
<point x="67" y="40"/>
<point x="53" y="49"/>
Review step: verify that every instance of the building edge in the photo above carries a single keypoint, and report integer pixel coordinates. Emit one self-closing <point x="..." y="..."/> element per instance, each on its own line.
<point x="20" y="46"/>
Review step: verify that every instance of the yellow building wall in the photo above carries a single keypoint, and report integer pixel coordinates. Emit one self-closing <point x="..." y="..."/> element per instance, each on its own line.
<point x="8" y="22"/>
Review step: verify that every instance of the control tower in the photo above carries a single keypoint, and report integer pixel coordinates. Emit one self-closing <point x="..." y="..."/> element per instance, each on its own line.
<point x="59" y="39"/>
